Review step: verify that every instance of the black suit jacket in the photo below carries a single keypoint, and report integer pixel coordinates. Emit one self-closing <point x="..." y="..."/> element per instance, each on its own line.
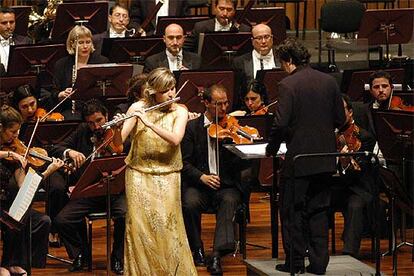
<point x="195" y="159"/>
<point x="309" y="109"/>
<point x="207" y="26"/>
<point x="140" y="9"/>
<point x="190" y="60"/>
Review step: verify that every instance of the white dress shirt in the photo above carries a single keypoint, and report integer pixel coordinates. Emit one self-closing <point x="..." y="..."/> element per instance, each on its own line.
<point x="220" y="28"/>
<point x="163" y="10"/>
<point x="5" y="50"/>
<point x="268" y="61"/>
<point x="211" y="149"/>
<point x="175" y="62"/>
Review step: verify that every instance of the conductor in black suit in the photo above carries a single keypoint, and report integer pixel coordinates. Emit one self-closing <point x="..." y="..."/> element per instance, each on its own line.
<point x="309" y="109"/>
<point x="174" y="57"/>
<point x="209" y="184"/>
<point x="7" y="36"/>
<point x="225" y="11"/>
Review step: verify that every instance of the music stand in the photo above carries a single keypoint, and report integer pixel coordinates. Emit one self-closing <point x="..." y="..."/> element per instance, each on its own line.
<point x="219" y="48"/>
<point x="271" y="78"/>
<point x="389" y="26"/>
<point x="133" y="50"/>
<point x="103" y="176"/>
<point x="9" y="84"/>
<point x="35" y="59"/>
<point x="191" y="93"/>
<point x="22" y="19"/>
<point x="186" y="22"/>
<point x="353" y="82"/>
<point x="102" y="80"/>
<point x="274" y="17"/>
<point x="48" y="133"/>
<point x="93" y="15"/>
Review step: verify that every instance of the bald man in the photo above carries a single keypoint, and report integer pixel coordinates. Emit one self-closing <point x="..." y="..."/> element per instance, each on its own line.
<point x="173" y="57"/>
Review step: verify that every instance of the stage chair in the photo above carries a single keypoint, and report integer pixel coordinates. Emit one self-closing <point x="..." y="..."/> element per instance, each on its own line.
<point x="198" y="5"/>
<point x="343" y="17"/>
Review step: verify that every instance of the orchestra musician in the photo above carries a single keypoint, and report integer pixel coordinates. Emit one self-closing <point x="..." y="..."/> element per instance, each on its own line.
<point x="209" y="183"/>
<point x="156" y="242"/>
<point x="8" y="37"/>
<point x="12" y="173"/>
<point x="225" y="11"/>
<point x="255" y="100"/>
<point x="118" y="20"/>
<point x="81" y="52"/>
<point x="309" y="109"/>
<point x="354" y="193"/>
<point x="70" y="220"/>
<point x="174" y="57"/>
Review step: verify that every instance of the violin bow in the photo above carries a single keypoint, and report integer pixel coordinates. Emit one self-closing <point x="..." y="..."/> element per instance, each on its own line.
<point x="31" y="138"/>
<point x="390" y="99"/>
<point x="217" y="141"/>
<point x="181" y="88"/>
<point x="57" y="105"/>
<point x="267" y="106"/>
<point x="105" y="142"/>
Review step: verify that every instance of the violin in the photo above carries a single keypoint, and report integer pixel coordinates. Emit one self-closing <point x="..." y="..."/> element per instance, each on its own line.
<point x="348" y="141"/>
<point x="228" y="127"/>
<point x="41" y="114"/>
<point x="102" y="140"/>
<point x="264" y="109"/>
<point x="36" y="156"/>
<point x="398" y="104"/>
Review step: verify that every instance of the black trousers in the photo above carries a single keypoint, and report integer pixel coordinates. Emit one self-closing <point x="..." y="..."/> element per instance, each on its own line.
<point x="71" y="226"/>
<point x="309" y="226"/>
<point x="57" y="196"/>
<point x="223" y="203"/>
<point x="16" y="242"/>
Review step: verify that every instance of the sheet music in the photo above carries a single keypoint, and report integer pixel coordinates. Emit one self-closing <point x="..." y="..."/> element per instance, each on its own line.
<point x="259" y="149"/>
<point x="25" y="195"/>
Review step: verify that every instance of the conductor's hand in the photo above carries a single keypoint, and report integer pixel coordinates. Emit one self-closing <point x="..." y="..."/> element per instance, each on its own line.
<point x="77" y="157"/>
<point x="211" y="180"/>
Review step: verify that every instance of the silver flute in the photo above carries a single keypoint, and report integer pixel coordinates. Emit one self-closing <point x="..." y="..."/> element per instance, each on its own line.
<point x="151" y="108"/>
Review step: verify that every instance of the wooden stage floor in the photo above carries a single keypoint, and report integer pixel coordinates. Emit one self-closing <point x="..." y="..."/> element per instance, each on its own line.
<point x="258" y="232"/>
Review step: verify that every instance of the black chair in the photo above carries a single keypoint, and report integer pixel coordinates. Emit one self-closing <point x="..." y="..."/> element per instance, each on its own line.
<point x="342" y="17"/>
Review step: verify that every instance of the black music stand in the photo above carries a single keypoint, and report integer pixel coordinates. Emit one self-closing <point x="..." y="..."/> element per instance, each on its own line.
<point x="391" y="26"/>
<point x="274" y="17"/>
<point x="102" y="80"/>
<point x="35" y="59"/>
<point x="103" y="177"/>
<point x="133" y="50"/>
<point x="93" y="15"/>
<point x="48" y="133"/>
<point x="219" y="48"/>
<point x="186" y="22"/>
<point x="271" y="78"/>
<point x="353" y="82"/>
<point x="22" y="19"/>
<point x="9" y="84"/>
<point x="396" y="141"/>
<point x="198" y="81"/>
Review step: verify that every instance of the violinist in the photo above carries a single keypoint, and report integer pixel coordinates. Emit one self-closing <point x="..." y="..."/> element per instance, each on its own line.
<point x="25" y="101"/>
<point x="210" y="180"/>
<point x="77" y="147"/>
<point x="255" y="100"/>
<point x="354" y="193"/>
<point x="81" y="52"/>
<point x="12" y="173"/>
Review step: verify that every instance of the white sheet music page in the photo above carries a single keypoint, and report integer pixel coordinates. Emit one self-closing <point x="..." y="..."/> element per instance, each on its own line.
<point x="25" y="195"/>
<point x="259" y="149"/>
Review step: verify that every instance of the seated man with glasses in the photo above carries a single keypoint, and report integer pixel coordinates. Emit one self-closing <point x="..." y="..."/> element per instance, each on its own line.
<point x="174" y="57"/>
<point x="118" y="19"/>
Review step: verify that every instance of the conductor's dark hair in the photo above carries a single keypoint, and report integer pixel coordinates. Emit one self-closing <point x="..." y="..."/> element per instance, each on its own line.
<point x="291" y="50"/>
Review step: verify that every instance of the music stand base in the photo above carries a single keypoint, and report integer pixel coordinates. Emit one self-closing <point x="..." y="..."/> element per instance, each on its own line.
<point x="59" y="259"/>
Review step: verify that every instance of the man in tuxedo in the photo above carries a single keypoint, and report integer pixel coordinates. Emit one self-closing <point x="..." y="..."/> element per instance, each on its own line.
<point x="70" y="220"/>
<point x="262" y="57"/>
<point x="141" y="9"/>
<point x="174" y="57"/>
<point x="225" y="11"/>
<point x="209" y="184"/>
<point x="7" y="36"/>
<point x="308" y="111"/>
<point x="118" y="19"/>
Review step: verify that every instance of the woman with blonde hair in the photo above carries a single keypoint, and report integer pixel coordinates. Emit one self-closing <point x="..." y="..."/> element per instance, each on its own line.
<point x="81" y="52"/>
<point x="155" y="237"/>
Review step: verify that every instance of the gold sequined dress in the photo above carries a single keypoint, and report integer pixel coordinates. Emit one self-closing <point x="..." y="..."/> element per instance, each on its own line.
<point x="155" y="238"/>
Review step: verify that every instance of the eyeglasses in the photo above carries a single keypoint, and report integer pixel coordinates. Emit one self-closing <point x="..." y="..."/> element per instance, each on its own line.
<point x="265" y="37"/>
